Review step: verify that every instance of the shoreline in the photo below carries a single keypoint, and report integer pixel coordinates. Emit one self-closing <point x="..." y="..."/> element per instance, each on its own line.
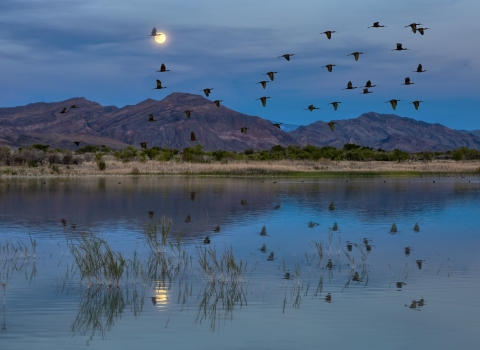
<point x="281" y="168"/>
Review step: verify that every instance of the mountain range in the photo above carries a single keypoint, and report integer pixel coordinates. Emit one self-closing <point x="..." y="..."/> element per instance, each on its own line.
<point x="214" y="127"/>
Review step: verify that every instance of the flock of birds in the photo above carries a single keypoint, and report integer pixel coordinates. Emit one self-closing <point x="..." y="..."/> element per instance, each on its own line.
<point x="271" y="75"/>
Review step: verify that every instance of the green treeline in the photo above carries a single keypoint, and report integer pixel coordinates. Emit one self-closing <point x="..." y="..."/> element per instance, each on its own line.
<point x="43" y="155"/>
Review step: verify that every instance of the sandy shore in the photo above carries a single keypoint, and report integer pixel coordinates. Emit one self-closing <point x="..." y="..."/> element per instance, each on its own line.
<point x="247" y="168"/>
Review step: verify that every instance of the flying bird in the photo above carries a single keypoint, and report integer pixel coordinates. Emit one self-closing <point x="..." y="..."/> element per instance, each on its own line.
<point x="413" y="26"/>
<point x="286" y="56"/>
<point x="399" y="47"/>
<point x="79" y="142"/>
<point x="143" y="145"/>
<point x="407" y="81"/>
<point x="188" y="113"/>
<point x="192" y="137"/>
<point x="393" y="103"/>
<point x="150" y="118"/>
<point x="335" y="105"/>
<point x="329" y="67"/>
<point x="422" y="30"/>
<point x="263" y="99"/>
<point x="376" y="25"/>
<point x="163" y="69"/>
<point x="311" y="108"/>
<point x="244" y="130"/>
<point x="217" y="102"/>
<point x="207" y="91"/>
<point x="159" y="85"/>
<point x="419" y="69"/>
<point x="416" y="104"/>
<point x="270" y="75"/>
<point x="264" y="83"/>
<point x="154" y="32"/>
<point x="73" y="106"/>
<point x="349" y="86"/>
<point x="277" y="125"/>
<point x="328" y="33"/>
<point x="365" y="91"/>
<point x="368" y="84"/>
<point x="332" y="125"/>
<point x="355" y="54"/>
<point x="64" y="110"/>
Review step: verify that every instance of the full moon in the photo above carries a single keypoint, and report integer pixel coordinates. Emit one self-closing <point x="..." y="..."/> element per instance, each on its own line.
<point x="160" y="38"/>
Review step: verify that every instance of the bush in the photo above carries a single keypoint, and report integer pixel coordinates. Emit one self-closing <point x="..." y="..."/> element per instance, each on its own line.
<point x="40" y="147"/>
<point x="101" y="165"/>
<point x="248" y="151"/>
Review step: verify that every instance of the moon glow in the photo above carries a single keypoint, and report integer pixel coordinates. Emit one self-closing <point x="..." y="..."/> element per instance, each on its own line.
<point x="160" y="38"/>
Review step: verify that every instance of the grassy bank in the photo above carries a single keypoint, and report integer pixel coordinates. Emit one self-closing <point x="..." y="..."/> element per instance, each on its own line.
<point x="277" y="168"/>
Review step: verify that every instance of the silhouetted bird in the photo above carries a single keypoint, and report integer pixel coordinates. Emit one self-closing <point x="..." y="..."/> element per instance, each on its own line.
<point x="264" y="83"/>
<point x="368" y="84"/>
<point x="73" y="106"/>
<point x="192" y="195"/>
<point x="150" y="118"/>
<point x="188" y="113"/>
<point x="393" y="103"/>
<point x="206" y="240"/>
<point x="399" y="47"/>
<point x="244" y="130"/>
<point x="422" y="30"/>
<point x="413" y="26"/>
<point x="356" y="277"/>
<point x="207" y="91"/>
<point x="349" y="86"/>
<point x="192" y="137"/>
<point x="64" y="110"/>
<point x="271" y="75"/>
<point x="163" y="69"/>
<point x="270" y="257"/>
<point x="77" y="142"/>
<point x="216" y="229"/>
<point x="287" y="275"/>
<point x="143" y="145"/>
<point x="287" y="56"/>
<point x="188" y="219"/>
<point x="332" y="126"/>
<point x="335" y="105"/>
<point x="419" y="69"/>
<point x="150" y="214"/>
<point x="355" y="54"/>
<point x="328" y="298"/>
<point x="365" y="91"/>
<point x="243" y="202"/>
<point x="349" y="247"/>
<point x="277" y="125"/>
<point x="263" y="99"/>
<point x="407" y="81"/>
<point x="419" y="264"/>
<point x="217" y="102"/>
<point x="329" y="67"/>
<point x="329" y="264"/>
<point x="64" y="222"/>
<point x="154" y="300"/>
<point x="263" y="232"/>
<point x="416" y="228"/>
<point x="311" y="108"/>
<point x="416" y="104"/>
<point x="407" y="251"/>
<point x="159" y="86"/>
<point x="154" y="32"/>
<point x="400" y="284"/>
<point x="264" y="248"/>
<point x="328" y="33"/>
<point x="376" y="25"/>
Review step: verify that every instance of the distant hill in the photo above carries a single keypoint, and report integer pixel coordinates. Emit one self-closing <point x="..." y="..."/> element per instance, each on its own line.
<point x="473" y="132"/>
<point x="386" y="131"/>
<point x="215" y="127"/>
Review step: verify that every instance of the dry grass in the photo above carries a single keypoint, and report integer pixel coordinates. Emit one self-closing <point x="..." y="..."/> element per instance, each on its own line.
<point x="248" y="168"/>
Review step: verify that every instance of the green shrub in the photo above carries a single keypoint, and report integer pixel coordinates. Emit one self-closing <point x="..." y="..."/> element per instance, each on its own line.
<point x="101" y="165"/>
<point x="40" y="147"/>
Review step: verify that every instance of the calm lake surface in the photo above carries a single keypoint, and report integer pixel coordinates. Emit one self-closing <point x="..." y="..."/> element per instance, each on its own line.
<point x="353" y="285"/>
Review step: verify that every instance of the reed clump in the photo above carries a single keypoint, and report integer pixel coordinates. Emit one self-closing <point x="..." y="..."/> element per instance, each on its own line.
<point x="221" y="267"/>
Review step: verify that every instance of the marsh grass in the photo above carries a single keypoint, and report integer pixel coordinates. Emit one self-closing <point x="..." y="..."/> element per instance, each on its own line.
<point x="18" y="257"/>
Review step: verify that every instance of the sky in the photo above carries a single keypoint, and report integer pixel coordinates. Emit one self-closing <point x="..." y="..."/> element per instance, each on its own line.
<point x="52" y="50"/>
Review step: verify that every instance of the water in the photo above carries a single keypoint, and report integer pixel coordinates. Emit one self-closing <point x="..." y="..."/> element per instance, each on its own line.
<point x="322" y="304"/>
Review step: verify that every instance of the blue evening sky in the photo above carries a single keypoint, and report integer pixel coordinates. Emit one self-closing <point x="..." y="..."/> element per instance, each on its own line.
<point x="52" y="50"/>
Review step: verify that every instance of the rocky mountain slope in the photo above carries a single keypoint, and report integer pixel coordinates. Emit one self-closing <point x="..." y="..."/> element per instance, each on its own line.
<point x="386" y="131"/>
<point x="215" y="127"/>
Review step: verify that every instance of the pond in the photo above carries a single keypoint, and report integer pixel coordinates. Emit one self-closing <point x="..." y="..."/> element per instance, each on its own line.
<point x="385" y="262"/>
